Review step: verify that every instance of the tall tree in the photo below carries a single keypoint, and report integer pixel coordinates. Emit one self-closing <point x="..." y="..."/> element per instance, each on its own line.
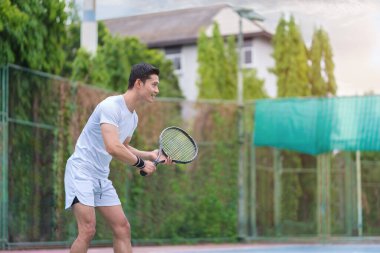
<point x="32" y="33"/>
<point x="321" y="75"/>
<point x="218" y="63"/>
<point x="297" y="76"/>
<point x="218" y="67"/>
<point x="253" y="85"/>
<point x="291" y="62"/>
<point x="232" y="68"/>
<point x="291" y="70"/>
<point x="318" y="85"/>
<point x="206" y="85"/>
<point x="329" y="64"/>
<point x="280" y="44"/>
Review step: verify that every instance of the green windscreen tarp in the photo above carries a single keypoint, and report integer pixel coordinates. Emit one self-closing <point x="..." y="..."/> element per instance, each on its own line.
<point x="319" y="125"/>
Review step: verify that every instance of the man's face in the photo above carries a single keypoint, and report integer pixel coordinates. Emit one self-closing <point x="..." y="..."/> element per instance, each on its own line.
<point x="149" y="90"/>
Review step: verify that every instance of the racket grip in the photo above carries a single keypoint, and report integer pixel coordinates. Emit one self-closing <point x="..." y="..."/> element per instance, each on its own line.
<point x="143" y="173"/>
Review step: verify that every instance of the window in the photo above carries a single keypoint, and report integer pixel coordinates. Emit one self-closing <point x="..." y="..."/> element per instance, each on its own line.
<point x="174" y="54"/>
<point x="247" y="54"/>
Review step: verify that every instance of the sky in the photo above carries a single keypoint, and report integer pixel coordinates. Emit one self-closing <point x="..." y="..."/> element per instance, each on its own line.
<point x="353" y="27"/>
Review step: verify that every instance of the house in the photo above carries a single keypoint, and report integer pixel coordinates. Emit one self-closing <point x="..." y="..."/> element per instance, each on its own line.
<point x="176" y="33"/>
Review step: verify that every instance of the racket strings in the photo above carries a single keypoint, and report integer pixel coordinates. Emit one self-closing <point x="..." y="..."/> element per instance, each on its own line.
<point x="178" y="145"/>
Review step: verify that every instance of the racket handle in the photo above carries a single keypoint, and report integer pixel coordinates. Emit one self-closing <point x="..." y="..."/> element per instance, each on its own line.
<point x="143" y="173"/>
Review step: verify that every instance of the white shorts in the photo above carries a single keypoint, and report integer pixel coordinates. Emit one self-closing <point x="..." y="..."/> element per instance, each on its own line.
<point x="89" y="191"/>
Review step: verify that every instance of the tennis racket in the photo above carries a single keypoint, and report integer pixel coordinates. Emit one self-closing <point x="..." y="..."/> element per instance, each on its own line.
<point x="175" y="143"/>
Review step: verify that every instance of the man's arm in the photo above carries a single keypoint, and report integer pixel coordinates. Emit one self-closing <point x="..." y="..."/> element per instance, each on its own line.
<point x="146" y="155"/>
<point x="113" y="145"/>
<point x="117" y="150"/>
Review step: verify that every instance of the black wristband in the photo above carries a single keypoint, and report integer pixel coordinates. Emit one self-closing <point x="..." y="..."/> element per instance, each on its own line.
<point x="140" y="163"/>
<point x="138" y="159"/>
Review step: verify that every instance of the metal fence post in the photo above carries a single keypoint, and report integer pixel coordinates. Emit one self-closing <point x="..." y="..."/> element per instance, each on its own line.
<point x="253" y="200"/>
<point x="323" y="184"/>
<point x="277" y="191"/>
<point x="242" y="208"/>
<point x="359" y="193"/>
<point x="349" y="197"/>
<point x="4" y="164"/>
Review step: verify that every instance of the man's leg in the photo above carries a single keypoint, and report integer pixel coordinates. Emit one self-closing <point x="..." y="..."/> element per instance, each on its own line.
<point x="86" y="220"/>
<point x="115" y="217"/>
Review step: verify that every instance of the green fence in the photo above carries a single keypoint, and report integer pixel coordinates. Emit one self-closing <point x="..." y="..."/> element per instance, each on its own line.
<point x="282" y="194"/>
<point x="42" y="115"/>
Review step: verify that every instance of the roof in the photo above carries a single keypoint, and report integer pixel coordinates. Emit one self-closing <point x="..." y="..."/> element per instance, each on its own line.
<point x="169" y="28"/>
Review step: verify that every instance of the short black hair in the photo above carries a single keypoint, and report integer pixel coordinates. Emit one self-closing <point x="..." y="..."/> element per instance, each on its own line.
<point x="141" y="71"/>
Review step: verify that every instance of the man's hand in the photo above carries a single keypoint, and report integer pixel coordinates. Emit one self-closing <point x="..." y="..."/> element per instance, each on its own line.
<point x="162" y="159"/>
<point x="154" y="155"/>
<point x="149" y="168"/>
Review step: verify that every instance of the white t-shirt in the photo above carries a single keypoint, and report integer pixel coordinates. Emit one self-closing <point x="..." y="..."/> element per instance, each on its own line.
<point x="90" y="153"/>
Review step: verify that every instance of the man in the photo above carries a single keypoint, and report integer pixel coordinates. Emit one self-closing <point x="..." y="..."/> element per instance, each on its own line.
<point x="106" y="135"/>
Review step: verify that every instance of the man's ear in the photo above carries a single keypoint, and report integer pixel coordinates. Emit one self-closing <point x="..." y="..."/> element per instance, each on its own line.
<point x="138" y="83"/>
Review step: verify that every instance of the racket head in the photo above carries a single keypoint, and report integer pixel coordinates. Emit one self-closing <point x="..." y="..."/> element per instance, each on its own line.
<point x="177" y="144"/>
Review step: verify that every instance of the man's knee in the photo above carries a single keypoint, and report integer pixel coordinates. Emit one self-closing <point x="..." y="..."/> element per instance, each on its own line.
<point x="87" y="231"/>
<point x="123" y="229"/>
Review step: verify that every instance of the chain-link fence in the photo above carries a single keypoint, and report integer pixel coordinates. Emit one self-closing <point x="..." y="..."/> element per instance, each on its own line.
<point x="42" y="116"/>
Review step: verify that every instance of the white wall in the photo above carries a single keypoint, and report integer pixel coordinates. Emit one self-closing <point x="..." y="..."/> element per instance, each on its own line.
<point x="262" y="60"/>
<point x="188" y="75"/>
<point x="89" y="27"/>
<point x="229" y="24"/>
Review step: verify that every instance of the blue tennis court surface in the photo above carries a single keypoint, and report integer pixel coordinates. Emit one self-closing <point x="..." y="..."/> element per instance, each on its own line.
<point x="294" y="249"/>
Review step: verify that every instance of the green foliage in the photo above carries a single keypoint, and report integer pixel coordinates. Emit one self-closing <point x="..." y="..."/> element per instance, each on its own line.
<point x="218" y="68"/>
<point x="110" y="66"/>
<point x="291" y="190"/>
<point x="298" y="70"/>
<point x="218" y="62"/>
<point x="317" y="83"/>
<point x="82" y="66"/>
<point x="206" y="85"/>
<point x="35" y="186"/>
<point x="290" y="55"/>
<point x="321" y="75"/>
<point x="329" y="64"/>
<point x="280" y="44"/>
<point x="32" y="33"/>
<point x="370" y="192"/>
<point x="294" y="76"/>
<point x="211" y="59"/>
<point x="253" y="85"/>
<point x="72" y="43"/>
<point x="12" y="25"/>
<point x="192" y="202"/>
<point x="232" y="71"/>
<point x="197" y="200"/>
<point x="111" y="62"/>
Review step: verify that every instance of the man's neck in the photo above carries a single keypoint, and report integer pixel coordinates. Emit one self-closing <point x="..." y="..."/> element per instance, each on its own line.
<point x="131" y="100"/>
